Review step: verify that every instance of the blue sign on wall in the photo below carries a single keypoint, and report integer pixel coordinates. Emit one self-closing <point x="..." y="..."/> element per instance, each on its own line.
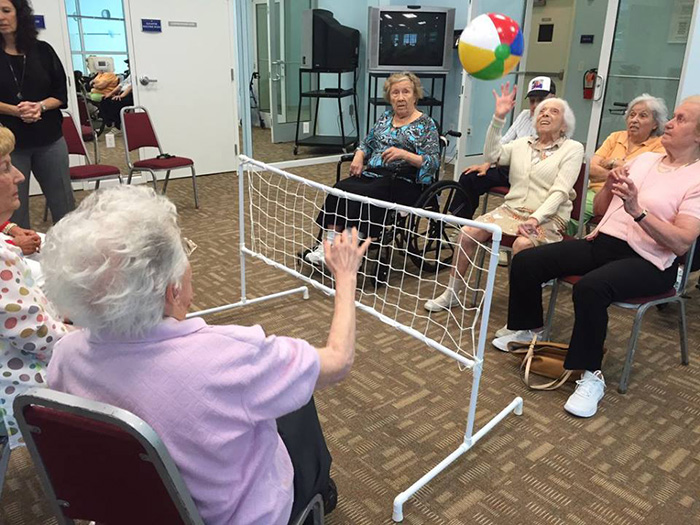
<point x="151" y="25"/>
<point x="39" y="22"/>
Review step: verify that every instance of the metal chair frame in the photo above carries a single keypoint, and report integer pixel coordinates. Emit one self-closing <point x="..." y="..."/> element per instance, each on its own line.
<point x="133" y="169"/>
<point x="139" y="430"/>
<point x="5" y="456"/>
<point x="640" y="307"/>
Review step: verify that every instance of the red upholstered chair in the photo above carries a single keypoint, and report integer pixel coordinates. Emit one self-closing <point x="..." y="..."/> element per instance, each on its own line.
<point x="640" y="305"/>
<point x="499" y="191"/>
<point x="99" y="462"/>
<point x="139" y="133"/>
<point x="88" y="172"/>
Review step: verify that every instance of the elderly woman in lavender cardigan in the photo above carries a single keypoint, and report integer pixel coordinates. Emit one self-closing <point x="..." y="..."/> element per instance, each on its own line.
<point x="233" y="405"/>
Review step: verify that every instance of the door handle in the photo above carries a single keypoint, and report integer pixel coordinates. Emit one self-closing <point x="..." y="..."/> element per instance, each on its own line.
<point x="145" y="80"/>
<point x="599" y="84"/>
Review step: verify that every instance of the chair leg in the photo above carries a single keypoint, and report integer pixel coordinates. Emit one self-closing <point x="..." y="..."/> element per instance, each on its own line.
<point x="4" y="461"/>
<point x="631" y="347"/>
<point x="131" y="174"/>
<point x="549" y="321"/>
<point x="46" y="212"/>
<point x="194" y="187"/>
<point x="154" y="179"/>
<point x="683" y="329"/>
<point x="97" y="185"/>
<point x="486" y="203"/>
<point x="165" y="183"/>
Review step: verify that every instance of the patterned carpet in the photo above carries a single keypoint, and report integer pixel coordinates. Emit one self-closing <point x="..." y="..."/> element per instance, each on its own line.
<point x="403" y="409"/>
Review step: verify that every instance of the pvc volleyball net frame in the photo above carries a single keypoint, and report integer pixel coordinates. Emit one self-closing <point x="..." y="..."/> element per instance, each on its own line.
<point x="408" y="262"/>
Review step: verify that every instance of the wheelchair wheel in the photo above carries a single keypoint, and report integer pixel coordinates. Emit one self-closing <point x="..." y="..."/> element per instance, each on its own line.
<point x="431" y="243"/>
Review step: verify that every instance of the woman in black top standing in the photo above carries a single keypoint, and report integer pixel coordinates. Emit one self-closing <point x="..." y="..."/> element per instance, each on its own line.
<point x="32" y="93"/>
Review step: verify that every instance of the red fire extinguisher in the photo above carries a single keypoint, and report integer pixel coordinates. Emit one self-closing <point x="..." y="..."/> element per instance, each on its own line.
<point x="589" y="83"/>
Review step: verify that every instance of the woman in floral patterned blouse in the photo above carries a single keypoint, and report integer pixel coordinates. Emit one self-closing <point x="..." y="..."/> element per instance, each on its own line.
<point x="29" y="327"/>
<point x="395" y="162"/>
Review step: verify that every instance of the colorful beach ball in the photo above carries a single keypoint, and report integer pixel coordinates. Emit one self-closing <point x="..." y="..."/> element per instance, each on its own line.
<point x="490" y="46"/>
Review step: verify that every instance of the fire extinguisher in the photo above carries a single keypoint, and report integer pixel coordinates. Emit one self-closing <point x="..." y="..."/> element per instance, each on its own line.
<point x="589" y="78"/>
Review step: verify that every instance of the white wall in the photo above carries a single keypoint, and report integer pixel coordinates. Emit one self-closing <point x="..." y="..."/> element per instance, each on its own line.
<point x="690" y="81"/>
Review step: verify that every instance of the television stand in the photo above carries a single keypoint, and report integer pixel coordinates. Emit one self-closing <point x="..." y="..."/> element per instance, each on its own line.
<point x="430" y="101"/>
<point x="343" y="142"/>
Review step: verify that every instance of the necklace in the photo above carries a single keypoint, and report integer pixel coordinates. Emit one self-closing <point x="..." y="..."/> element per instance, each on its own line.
<point x="19" y="84"/>
<point x="666" y="169"/>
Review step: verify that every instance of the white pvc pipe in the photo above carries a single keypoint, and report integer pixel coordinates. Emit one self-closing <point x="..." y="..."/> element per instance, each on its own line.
<point x="302" y="289"/>
<point x="515" y="406"/>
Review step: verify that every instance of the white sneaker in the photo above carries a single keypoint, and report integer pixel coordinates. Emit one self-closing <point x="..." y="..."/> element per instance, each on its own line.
<point x="315" y="256"/>
<point x="524" y="336"/>
<point x="447" y="300"/>
<point x="504" y="331"/>
<point x="590" y="389"/>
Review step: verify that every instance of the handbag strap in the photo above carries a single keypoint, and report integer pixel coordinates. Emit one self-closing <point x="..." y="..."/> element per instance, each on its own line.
<point x="527" y="362"/>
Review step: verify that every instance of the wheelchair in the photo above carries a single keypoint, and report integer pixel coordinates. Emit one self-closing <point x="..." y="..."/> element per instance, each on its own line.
<point x="428" y="243"/>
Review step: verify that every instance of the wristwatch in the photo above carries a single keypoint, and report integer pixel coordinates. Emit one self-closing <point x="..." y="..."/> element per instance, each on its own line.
<point x="44" y="109"/>
<point x="641" y="216"/>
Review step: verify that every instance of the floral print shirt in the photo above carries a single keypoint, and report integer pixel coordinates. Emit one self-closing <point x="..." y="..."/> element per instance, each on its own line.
<point x="419" y="137"/>
<point x="30" y="328"/>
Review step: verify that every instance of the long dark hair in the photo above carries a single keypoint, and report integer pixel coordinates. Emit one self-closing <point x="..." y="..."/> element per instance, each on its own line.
<point x="25" y="35"/>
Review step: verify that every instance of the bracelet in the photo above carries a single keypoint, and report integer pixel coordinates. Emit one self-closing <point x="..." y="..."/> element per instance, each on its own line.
<point x="641" y="216"/>
<point x="8" y="227"/>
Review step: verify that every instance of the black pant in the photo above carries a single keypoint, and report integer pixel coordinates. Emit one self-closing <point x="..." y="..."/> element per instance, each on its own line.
<point x="110" y="108"/>
<point x="302" y="435"/>
<point x="367" y="219"/>
<point x="475" y="186"/>
<point x="611" y="271"/>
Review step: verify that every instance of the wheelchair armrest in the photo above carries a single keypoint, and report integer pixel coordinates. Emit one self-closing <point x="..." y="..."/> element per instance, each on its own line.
<point x="344" y="158"/>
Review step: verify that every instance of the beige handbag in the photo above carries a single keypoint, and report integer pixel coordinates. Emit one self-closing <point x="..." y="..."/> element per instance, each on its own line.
<point x="545" y="359"/>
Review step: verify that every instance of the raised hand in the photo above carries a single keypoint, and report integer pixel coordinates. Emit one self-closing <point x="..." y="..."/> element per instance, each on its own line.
<point x="344" y="256"/>
<point x="505" y="102"/>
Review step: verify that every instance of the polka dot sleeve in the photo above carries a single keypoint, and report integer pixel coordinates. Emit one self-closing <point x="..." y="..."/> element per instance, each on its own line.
<point x="28" y="321"/>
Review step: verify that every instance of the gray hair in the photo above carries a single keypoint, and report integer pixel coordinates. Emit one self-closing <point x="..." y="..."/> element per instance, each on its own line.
<point x="569" y="117"/>
<point x="658" y="109"/>
<point x="395" y="78"/>
<point x="693" y="99"/>
<point x="108" y="263"/>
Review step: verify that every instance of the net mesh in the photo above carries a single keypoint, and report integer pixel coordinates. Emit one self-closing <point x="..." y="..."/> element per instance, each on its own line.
<point x="408" y="262"/>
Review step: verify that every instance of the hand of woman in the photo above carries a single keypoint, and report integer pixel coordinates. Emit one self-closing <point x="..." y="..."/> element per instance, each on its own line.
<point x="626" y="189"/>
<point x="29" y="244"/>
<point x="344" y="256"/>
<point x="480" y="169"/>
<point x="391" y="154"/>
<point x="29" y="112"/>
<point x="528" y="228"/>
<point x="358" y="162"/>
<point x="505" y="102"/>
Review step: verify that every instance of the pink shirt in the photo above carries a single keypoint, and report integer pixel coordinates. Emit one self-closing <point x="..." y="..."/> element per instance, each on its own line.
<point x="664" y="194"/>
<point x="212" y="393"/>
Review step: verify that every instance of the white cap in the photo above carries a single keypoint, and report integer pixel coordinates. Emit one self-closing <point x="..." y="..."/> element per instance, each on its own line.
<point x="541" y="86"/>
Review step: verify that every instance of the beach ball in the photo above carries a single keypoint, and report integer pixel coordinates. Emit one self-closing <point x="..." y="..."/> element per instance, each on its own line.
<point x="490" y="46"/>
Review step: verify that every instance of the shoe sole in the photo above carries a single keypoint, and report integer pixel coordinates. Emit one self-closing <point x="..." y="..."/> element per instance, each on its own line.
<point x="576" y="413"/>
<point x="436" y="308"/>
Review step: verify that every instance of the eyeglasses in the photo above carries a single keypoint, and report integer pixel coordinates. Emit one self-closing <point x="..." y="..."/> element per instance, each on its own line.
<point x="189" y="246"/>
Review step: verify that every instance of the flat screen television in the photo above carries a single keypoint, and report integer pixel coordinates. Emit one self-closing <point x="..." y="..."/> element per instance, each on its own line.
<point x="414" y="38"/>
<point x="326" y="44"/>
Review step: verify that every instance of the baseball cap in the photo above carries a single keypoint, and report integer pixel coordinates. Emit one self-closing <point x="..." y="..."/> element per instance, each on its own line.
<point x="541" y="86"/>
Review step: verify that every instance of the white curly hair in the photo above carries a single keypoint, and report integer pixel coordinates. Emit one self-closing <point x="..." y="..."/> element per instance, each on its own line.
<point x="108" y="263"/>
<point x="569" y="117"/>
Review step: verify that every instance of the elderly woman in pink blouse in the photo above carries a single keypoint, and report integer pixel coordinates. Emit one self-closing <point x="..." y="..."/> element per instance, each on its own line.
<point x="233" y="405"/>
<point x="651" y="209"/>
<point x="30" y="327"/>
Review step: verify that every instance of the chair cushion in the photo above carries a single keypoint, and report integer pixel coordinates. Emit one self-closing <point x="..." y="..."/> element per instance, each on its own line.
<point x="164" y="164"/>
<point x="499" y="190"/>
<point x="88" y="134"/>
<point x="90" y="171"/>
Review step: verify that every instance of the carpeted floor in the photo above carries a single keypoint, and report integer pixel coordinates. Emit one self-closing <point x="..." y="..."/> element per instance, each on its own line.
<point x="403" y="409"/>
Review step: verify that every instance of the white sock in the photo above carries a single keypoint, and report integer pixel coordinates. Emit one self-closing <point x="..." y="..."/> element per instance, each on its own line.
<point x="455" y="284"/>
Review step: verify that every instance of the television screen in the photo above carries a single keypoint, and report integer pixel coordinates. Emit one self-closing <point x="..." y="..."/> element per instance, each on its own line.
<point x="411" y="38"/>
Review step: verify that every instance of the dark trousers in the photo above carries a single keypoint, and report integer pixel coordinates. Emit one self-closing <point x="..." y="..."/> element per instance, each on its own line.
<point x="611" y="271"/>
<point x="367" y="219"/>
<point x="50" y="167"/>
<point x="475" y="186"/>
<point x="110" y="108"/>
<point x="302" y="435"/>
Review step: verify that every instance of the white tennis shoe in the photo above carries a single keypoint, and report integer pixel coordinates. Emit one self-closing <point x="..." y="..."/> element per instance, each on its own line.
<point x="447" y="300"/>
<point x="315" y="256"/>
<point x="522" y="336"/>
<point x="590" y="389"/>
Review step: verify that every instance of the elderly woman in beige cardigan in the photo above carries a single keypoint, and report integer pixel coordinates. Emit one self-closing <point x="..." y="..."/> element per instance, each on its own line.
<point x="543" y="170"/>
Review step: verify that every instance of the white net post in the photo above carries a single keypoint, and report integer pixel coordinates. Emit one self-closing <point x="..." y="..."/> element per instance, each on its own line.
<point x="407" y="264"/>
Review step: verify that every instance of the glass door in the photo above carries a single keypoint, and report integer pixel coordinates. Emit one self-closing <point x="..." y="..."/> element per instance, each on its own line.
<point x="476" y="107"/>
<point x="285" y="62"/>
<point x="643" y="52"/>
